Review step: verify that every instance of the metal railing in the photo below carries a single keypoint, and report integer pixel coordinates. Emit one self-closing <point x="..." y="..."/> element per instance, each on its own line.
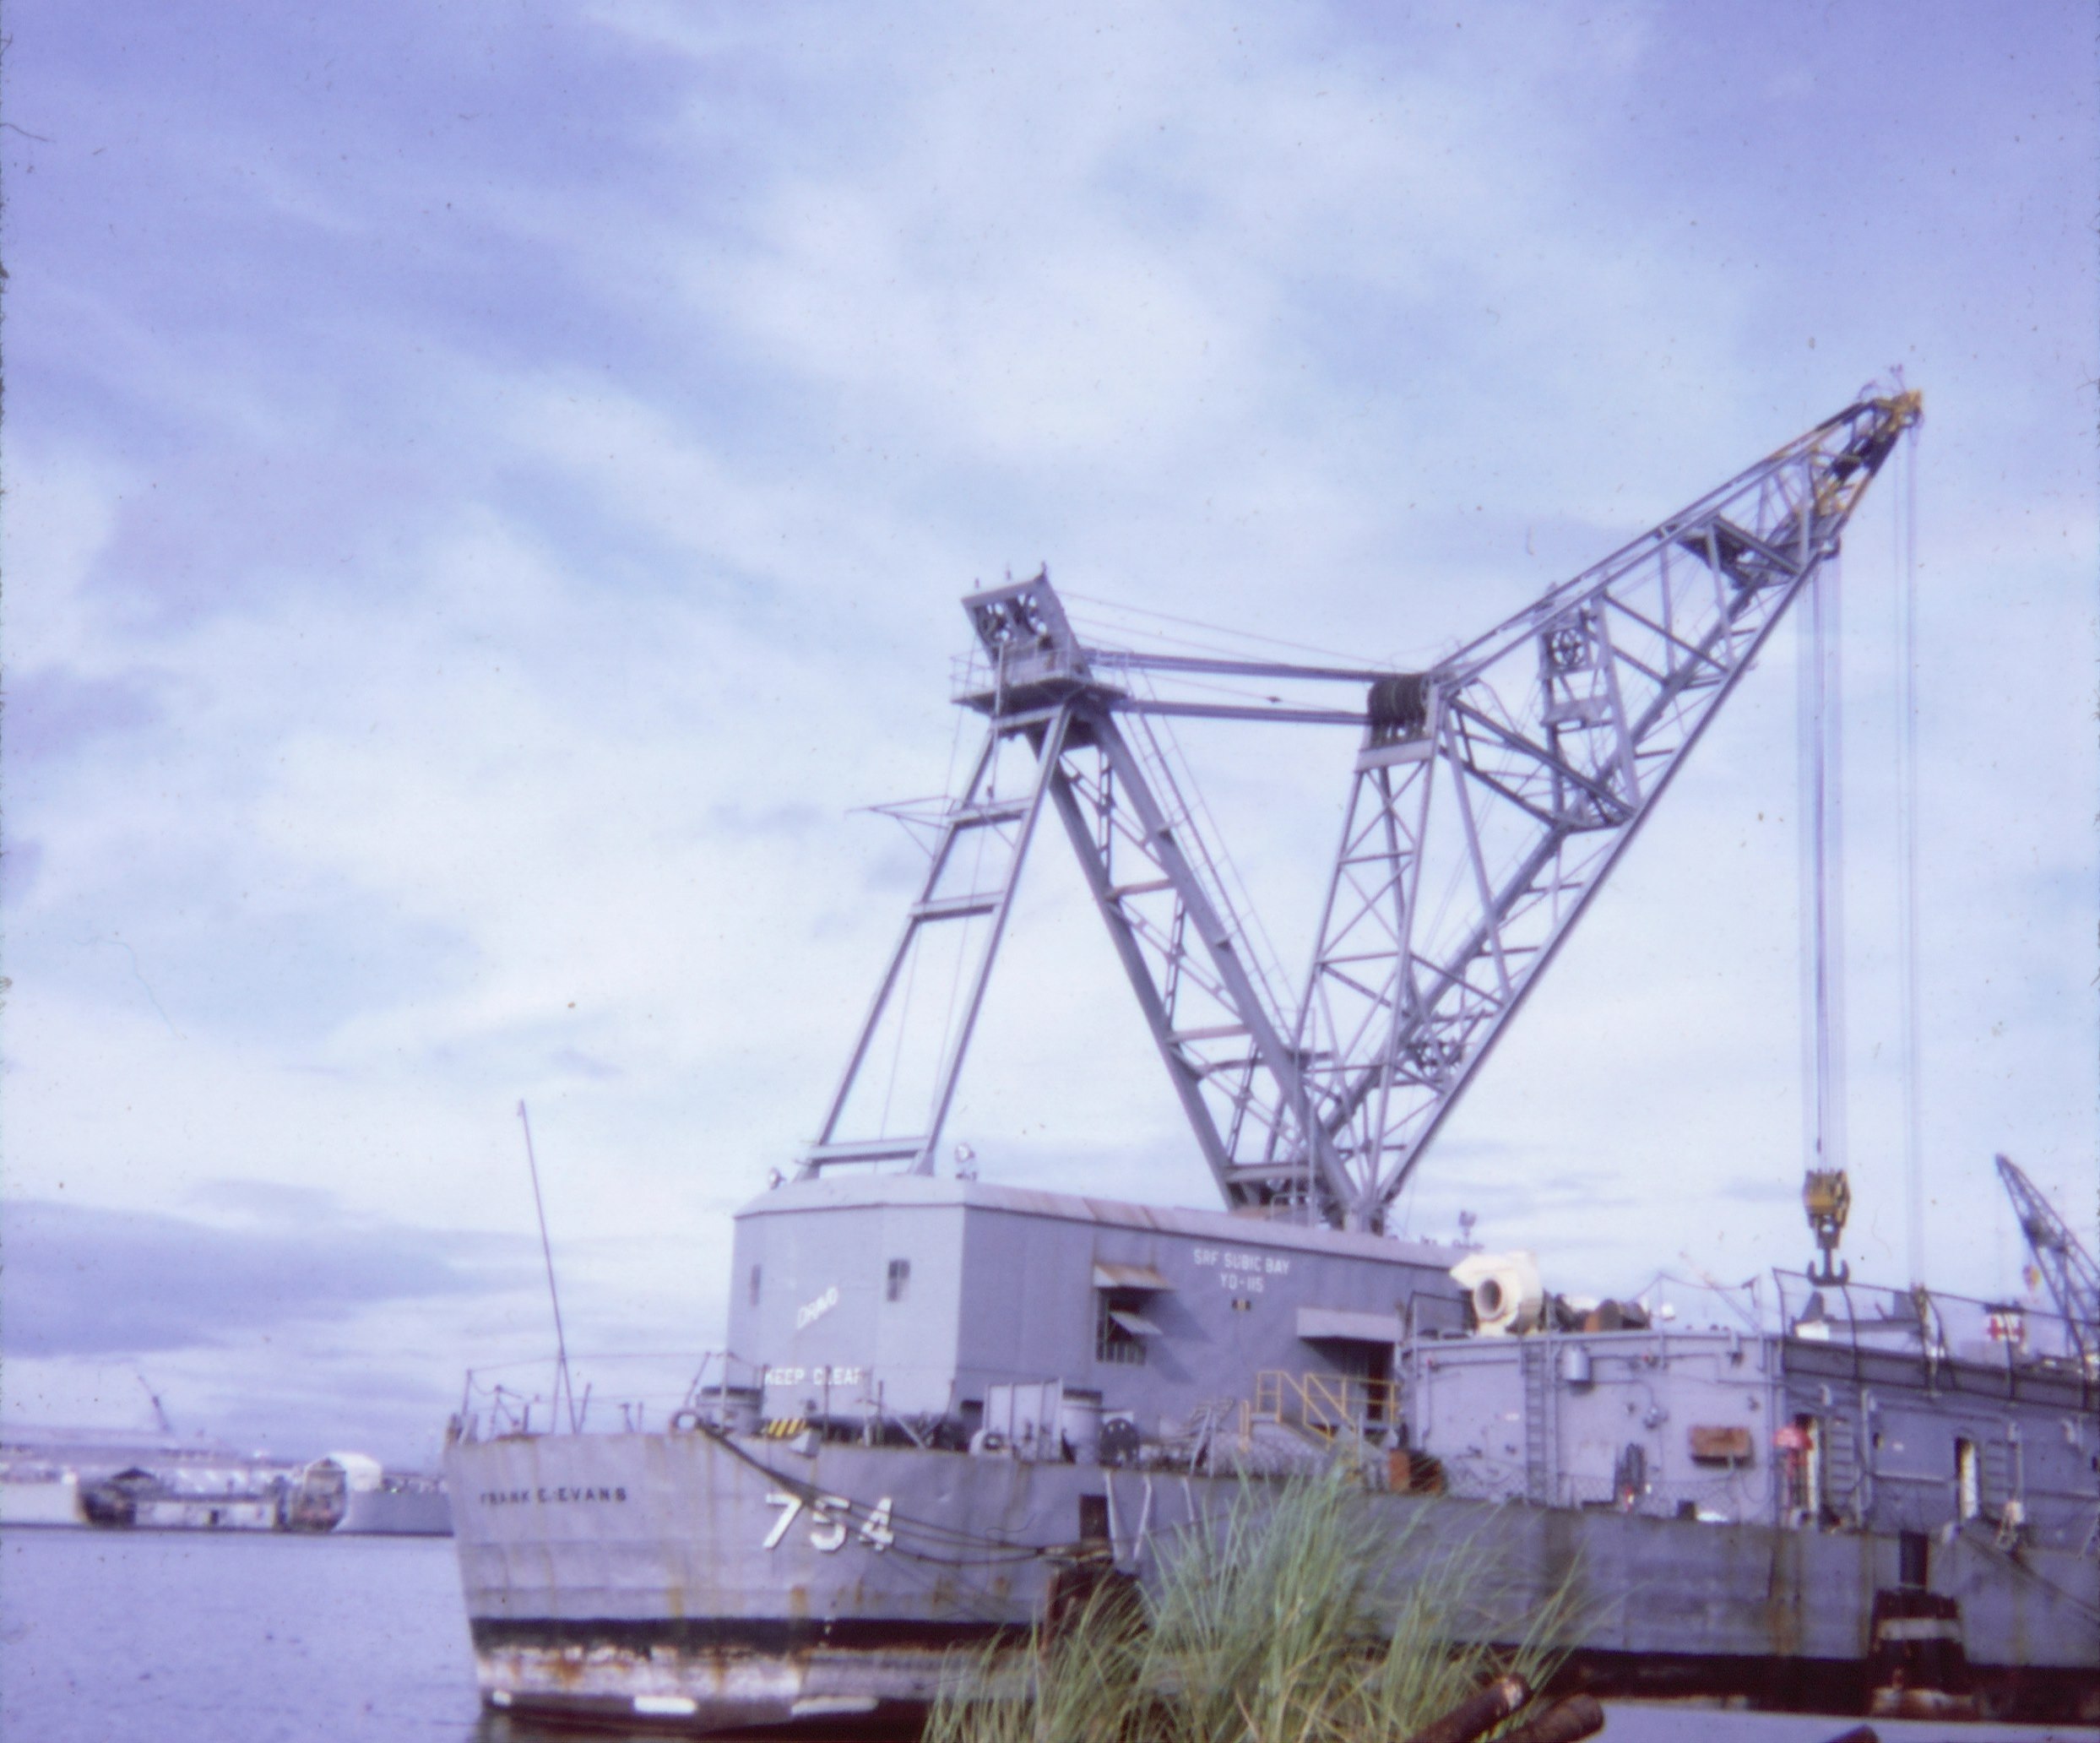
<point x="1329" y="1411"/>
<point x="2014" y="1338"/>
<point x="621" y="1392"/>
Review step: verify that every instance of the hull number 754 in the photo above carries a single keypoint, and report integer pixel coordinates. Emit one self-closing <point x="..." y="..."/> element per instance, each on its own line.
<point x="831" y="1517"/>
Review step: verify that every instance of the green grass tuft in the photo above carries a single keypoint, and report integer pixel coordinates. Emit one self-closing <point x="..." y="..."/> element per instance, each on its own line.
<point x="1302" y="1616"/>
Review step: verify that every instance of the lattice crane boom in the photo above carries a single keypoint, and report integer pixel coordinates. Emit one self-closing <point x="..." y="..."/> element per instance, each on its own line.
<point x="1494" y="792"/>
<point x="1492" y="795"/>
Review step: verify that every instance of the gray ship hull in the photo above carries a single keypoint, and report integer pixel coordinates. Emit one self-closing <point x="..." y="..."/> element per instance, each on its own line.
<point x="711" y="1581"/>
<point x="396" y="1513"/>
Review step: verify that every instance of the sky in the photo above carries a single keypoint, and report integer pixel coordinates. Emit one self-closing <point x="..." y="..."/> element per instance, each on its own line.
<point x="487" y="490"/>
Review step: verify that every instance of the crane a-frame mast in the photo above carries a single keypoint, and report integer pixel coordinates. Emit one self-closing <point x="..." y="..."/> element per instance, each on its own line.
<point x="1492" y="795"/>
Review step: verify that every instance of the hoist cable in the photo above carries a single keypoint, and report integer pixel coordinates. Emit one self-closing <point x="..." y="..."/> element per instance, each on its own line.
<point x="1905" y="501"/>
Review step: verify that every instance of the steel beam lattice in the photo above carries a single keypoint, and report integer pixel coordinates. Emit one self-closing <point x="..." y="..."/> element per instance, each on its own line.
<point x="1211" y="1010"/>
<point x="1495" y="791"/>
<point x="960" y="894"/>
<point x="1491" y="796"/>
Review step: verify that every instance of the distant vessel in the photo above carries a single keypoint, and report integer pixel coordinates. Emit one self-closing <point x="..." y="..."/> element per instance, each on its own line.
<point x="79" y="1477"/>
<point x="136" y="1498"/>
<point x="963" y="1398"/>
<point x="40" y="1496"/>
<point x="114" y="1480"/>
<point x="351" y="1495"/>
<point x="402" y="1506"/>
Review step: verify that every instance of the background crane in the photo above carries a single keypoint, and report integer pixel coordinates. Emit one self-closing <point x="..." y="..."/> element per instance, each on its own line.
<point x="1491" y="795"/>
<point x="160" y="1411"/>
<point x="2067" y="1267"/>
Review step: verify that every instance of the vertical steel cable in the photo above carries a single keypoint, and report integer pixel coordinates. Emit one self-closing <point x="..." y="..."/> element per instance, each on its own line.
<point x="1820" y="764"/>
<point x="1906" y="507"/>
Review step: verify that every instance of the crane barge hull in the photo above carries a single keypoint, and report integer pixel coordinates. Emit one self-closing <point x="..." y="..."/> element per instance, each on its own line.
<point x="641" y="1586"/>
<point x="981" y="1394"/>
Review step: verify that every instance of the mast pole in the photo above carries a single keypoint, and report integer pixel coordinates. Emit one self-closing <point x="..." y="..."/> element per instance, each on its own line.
<point x="562" y="1384"/>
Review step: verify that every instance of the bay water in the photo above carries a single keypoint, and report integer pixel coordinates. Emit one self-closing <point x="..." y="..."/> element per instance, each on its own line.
<point x="179" y="1637"/>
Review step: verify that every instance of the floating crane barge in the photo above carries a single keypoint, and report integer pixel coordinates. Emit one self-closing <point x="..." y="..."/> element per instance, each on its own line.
<point x="960" y="1394"/>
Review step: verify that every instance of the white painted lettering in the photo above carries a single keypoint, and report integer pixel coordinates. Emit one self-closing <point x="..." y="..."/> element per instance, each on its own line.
<point x="790" y="1505"/>
<point x="828" y="1523"/>
<point x="1241" y="1271"/>
<point x="876" y="1530"/>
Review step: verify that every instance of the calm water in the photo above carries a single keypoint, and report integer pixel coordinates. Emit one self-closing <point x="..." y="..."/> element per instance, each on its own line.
<point x="183" y="1637"/>
<point x="187" y="1637"/>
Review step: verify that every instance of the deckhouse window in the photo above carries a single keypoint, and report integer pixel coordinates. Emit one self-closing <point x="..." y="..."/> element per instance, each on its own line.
<point x="1120" y="1330"/>
<point x="755" y="1275"/>
<point x="900" y="1283"/>
<point x="1121" y="1294"/>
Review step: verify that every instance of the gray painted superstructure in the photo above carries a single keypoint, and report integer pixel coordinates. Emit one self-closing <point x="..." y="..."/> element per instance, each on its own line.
<point x="1809" y="1429"/>
<point x="907" y="1296"/>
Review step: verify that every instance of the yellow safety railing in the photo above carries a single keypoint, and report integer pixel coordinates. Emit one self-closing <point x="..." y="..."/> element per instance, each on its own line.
<point x="1327" y="1405"/>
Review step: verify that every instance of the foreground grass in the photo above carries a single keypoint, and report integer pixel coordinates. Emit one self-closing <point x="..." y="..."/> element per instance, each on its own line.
<point x="1281" y="1623"/>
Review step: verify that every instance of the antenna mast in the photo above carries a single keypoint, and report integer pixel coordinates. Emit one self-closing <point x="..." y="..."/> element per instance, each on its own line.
<point x="562" y="1384"/>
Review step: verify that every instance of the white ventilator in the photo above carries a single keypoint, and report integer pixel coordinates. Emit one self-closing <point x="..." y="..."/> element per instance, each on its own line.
<point x="1508" y="1294"/>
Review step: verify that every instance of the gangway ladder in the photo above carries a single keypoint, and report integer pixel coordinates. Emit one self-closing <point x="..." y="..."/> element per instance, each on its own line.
<point x="1535" y="1363"/>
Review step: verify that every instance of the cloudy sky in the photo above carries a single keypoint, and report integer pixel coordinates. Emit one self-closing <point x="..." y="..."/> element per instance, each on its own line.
<point x="487" y="490"/>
